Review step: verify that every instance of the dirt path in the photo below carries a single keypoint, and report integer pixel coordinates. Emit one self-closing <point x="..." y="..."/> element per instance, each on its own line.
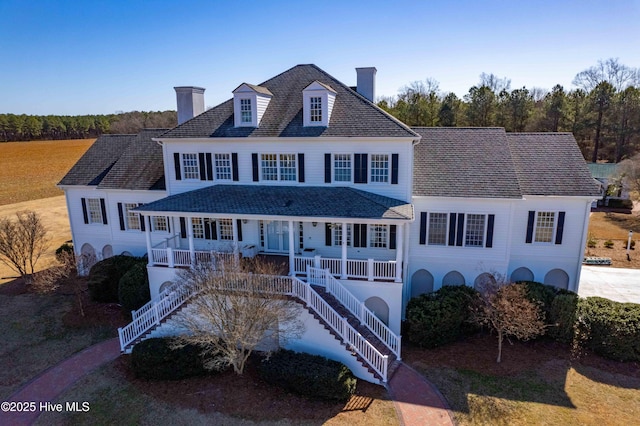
<point x="53" y="212"/>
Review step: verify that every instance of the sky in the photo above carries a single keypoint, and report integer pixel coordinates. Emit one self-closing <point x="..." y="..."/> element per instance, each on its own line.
<point x="104" y="56"/>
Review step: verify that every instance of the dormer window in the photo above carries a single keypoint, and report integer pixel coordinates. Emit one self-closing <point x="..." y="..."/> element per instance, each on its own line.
<point x="317" y="103"/>
<point x="249" y="104"/>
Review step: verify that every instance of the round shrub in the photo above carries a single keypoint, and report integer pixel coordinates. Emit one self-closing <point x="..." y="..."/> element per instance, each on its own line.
<point x="562" y="317"/>
<point x="63" y="251"/>
<point x="442" y="317"/>
<point x="133" y="288"/>
<point x="308" y="375"/>
<point x="156" y="359"/>
<point x="104" y="277"/>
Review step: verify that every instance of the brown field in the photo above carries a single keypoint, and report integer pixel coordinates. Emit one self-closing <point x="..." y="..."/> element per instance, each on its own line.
<point x="615" y="227"/>
<point x="31" y="170"/>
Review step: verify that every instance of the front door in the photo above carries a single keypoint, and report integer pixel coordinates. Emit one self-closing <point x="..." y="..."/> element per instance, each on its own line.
<point x="277" y="236"/>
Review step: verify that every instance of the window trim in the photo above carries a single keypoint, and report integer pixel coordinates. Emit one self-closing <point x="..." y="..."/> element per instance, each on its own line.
<point x="483" y="234"/>
<point x="216" y="168"/>
<point x="279" y="167"/>
<point x="90" y="220"/>
<point x="388" y="168"/>
<point x="315" y="109"/>
<point x="129" y="216"/>
<point x="244" y="102"/>
<point x="183" y="166"/>
<point x="154" y="223"/>
<point x="446" y="229"/>
<point x="554" y="229"/>
<point x="333" y="167"/>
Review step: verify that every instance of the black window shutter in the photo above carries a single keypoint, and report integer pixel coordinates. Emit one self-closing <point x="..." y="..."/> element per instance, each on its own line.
<point x="327" y="168"/>
<point x="183" y="228"/>
<point x="560" y="227"/>
<point x="394" y="169"/>
<point x="254" y="163"/>
<point x="176" y="165"/>
<point x="103" y="209"/>
<point x="392" y="237"/>
<point x="363" y="235"/>
<point x="490" y="222"/>
<point x="452" y="229"/>
<point x="532" y="217"/>
<point x="209" y="166"/>
<point x="239" y="222"/>
<point x="327" y="234"/>
<point x="423" y="228"/>
<point x="356" y="235"/>
<point x="121" y="216"/>
<point x="142" y="225"/>
<point x="203" y="172"/>
<point x="360" y="168"/>
<point x="168" y="223"/>
<point x="214" y="230"/>
<point x="460" y="230"/>
<point x="85" y="215"/>
<point x="207" y="228"/>
<point x="234" y="166"/>
<point x="300" y="167"/>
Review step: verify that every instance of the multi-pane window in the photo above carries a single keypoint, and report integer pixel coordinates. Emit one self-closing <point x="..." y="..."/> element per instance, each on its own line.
<point x="378" y="236"/>
<point x="132" y="218"/>
<point x="190" y="166"/>
<point x="544" y="227"/>
<point x="316" y="109"/>
<point x="337" y="234"/>
<point x="245" y="110"/>
<point x="379" y="168"/>
<point x="225" y="229"/>
<point x="198" y="227"/>
<point x="94" y="210"/>
<point x="437" y="229"/>
<point x="278" y="167"/>
<point x="160" y="223"/>
<point x="342" y="167"/>
<point x="474" y="234"/>
<point x="223" y="166"/>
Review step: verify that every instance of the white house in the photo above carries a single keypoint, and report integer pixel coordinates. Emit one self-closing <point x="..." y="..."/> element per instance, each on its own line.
<point x="293" y="165"/>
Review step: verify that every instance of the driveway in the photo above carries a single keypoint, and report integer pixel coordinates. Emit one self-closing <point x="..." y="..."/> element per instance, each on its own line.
<point x="621" y="285"/>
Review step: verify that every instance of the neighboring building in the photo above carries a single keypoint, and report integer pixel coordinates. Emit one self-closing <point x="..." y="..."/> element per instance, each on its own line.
<point x="610" y="184"/>
<point x="305" y="167"/>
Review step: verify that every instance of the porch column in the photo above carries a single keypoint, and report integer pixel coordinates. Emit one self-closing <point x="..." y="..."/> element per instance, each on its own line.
<point x="192" y="250"/>
<point x="236" y="251"/>
<point x="292" y="260"/>
<point x="344" y="251"/>
<point x="399" y="252"/>
<point x="147" y="235"/>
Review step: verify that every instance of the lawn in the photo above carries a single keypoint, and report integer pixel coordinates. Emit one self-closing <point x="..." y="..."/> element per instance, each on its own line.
<point x="31" y="170"/>
<point x="615" y="227"/>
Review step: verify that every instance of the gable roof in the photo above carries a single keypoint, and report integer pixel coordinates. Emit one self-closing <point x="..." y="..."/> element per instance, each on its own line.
<point x="98" y="160"/>
<point x="464" y="162"/>
<point x="140" y="166"/>
<point x="353" y="115"/>
<point x="550" y="164"/>
<point x="257" y="89"/>
<point x="301" y="201"/>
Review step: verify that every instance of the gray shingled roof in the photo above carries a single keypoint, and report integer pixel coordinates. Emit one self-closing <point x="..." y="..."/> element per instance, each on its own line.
<point x="464" y="162"/>
<point x="98" y="160"/>
<point x="140" y="166"/>
<point x="297" y="201"/>
<point x="352" y="115"/>
<point x="550" y="164"/>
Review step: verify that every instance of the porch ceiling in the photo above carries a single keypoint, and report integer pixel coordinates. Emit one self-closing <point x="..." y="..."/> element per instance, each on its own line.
<point x="290" y="201"/>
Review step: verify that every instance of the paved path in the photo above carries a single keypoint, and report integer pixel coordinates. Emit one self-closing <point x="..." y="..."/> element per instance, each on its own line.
<point x="621" y="285"/>
<point x="417" y="401"/>
<point x="49" y="385"/>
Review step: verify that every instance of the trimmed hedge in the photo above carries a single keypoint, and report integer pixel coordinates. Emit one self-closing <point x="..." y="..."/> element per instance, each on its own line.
<point x="308" y="375"/>
<point x="133" y="287"/>
<point x="435" y="319"/>
<point x="609" y="328"/>
<point x="155" y="359"/>
<point x="559" y="308"/>
<point x="104" y="277"/>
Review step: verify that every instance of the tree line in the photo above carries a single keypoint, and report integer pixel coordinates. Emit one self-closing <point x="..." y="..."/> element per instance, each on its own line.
<point x="14" y="127"/>
<point x="602" y="111"/>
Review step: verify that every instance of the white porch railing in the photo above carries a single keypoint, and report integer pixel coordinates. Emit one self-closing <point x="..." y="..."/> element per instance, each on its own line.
<point x="177" y="257"/>
<point x="356" y="307"/>
<point x="368" y="269"/>
<point x="169" y="300"/>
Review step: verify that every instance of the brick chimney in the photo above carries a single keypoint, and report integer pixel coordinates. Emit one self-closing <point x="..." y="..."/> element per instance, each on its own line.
<point x="367" y="82"/>
<point x="190" y="102"/>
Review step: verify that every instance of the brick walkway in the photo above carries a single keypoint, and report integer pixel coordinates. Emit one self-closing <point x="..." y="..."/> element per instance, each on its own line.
<point x="49" y="385"/>
<point x="417" y="401"/>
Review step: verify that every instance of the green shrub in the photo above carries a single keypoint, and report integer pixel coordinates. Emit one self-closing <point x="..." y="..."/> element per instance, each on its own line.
<point x="133" y="288"/>
<point x="63" y="250"/>
<point x="155" y="359"/>
<point x="608" y="244"/>
<point x="442" y="317"/>
<point x="308" y="375"/>
<point x="591" y="241"/>
<point x="542" y="293"/>
<point x="562" y="317"/>
<point x="609" y="328"/>
<point x="104" y="277"/>
<point x="620" y="204"/>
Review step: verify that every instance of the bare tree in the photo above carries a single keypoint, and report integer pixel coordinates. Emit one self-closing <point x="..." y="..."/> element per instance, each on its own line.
<point x="629" y="172"/>
<point x="235" y="311"/>
<point x="505" y="309"/>
<point x="22" y="242"/>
